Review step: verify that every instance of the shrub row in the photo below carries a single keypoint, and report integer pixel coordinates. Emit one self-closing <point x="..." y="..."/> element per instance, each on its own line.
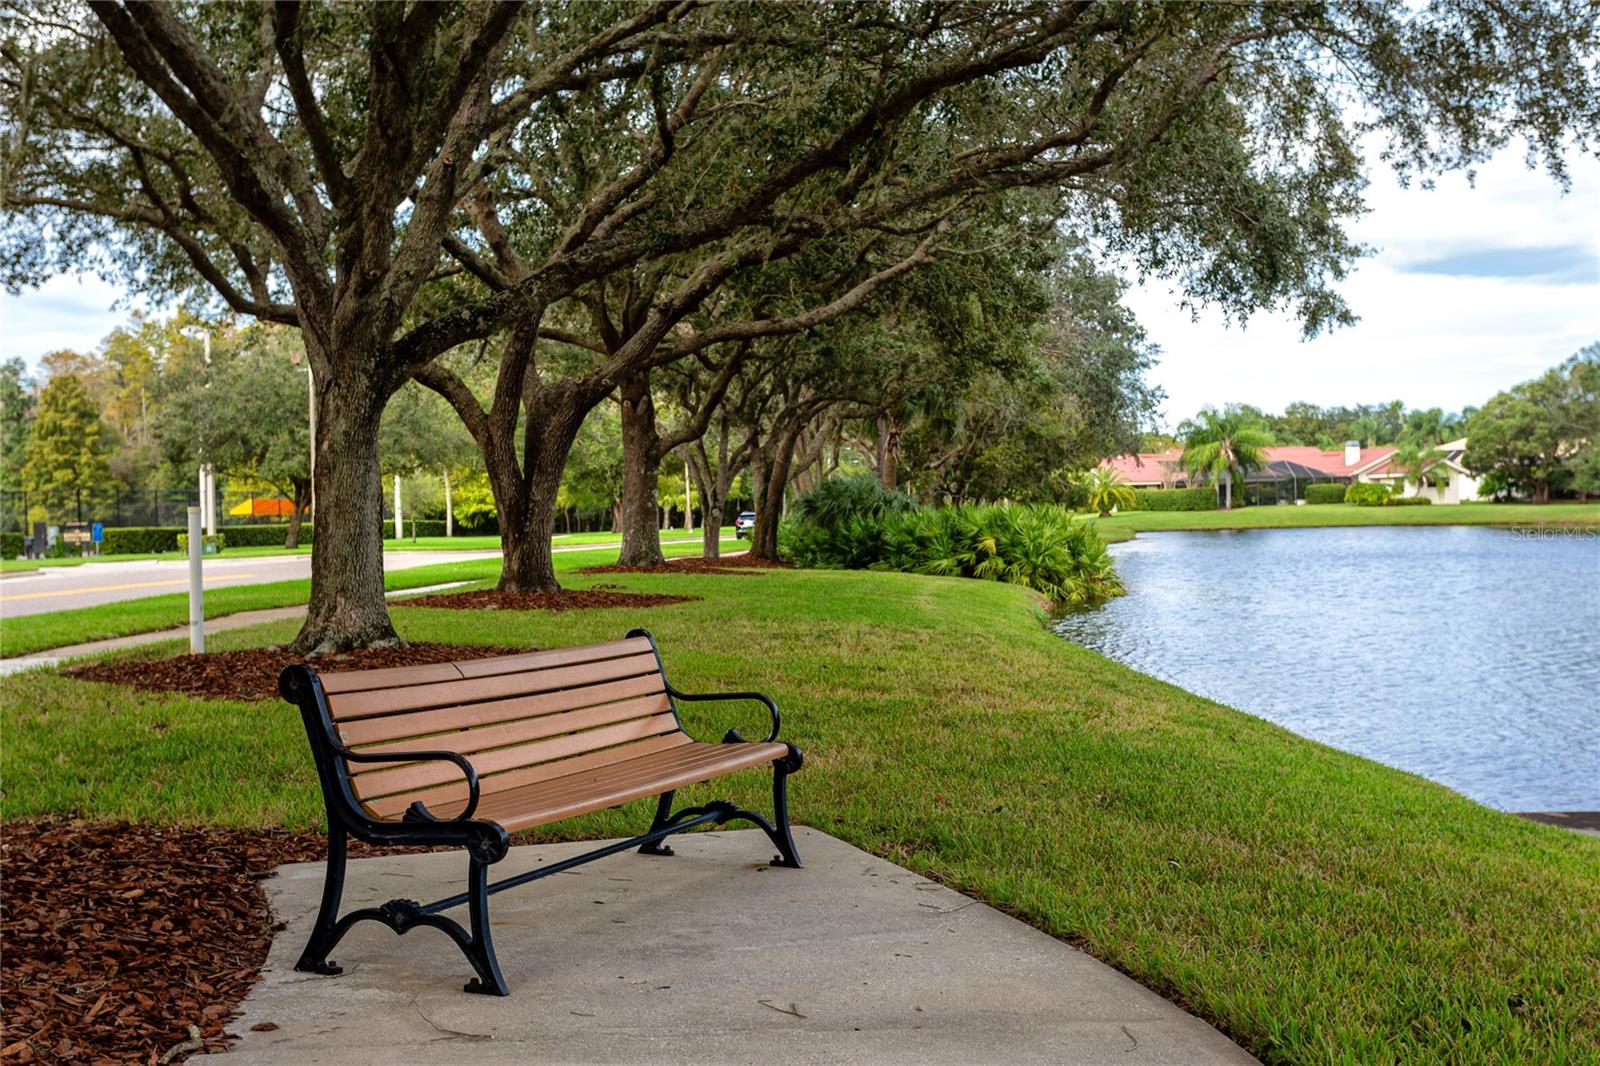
<point x="1193" y="499"/>
<point x="10" y="545"/>
<point x="422" y="527"/>
<point x="217" y="541"/>
<point x="1407" y="501"/>
<point x="1040" y="547"/>
<point x="1325" y="493"/>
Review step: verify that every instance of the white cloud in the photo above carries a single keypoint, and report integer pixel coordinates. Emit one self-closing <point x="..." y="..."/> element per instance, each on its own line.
<point x="68" y="311"/>
<point x="1429" y="339"/>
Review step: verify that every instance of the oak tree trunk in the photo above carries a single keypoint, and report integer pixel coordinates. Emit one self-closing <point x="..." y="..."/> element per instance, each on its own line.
<point x="301" y="504"/>
<point x="641" y="469"/>
<point x="347" y="608"/>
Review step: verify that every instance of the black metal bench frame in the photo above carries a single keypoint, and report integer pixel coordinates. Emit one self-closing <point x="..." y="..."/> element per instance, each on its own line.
<point x="486" y="842"/>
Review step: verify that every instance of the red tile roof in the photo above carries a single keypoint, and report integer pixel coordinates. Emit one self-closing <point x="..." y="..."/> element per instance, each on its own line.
<point x="1147" y="467"/>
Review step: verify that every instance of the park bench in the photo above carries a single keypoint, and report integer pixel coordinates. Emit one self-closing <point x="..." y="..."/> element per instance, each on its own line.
<point x="465" y="753"/>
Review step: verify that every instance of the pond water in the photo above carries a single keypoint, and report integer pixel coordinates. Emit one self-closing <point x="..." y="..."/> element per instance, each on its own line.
<point x="1467" y="655"/>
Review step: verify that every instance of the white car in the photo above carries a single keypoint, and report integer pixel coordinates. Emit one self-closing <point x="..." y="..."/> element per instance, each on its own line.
<point x="744" y="524"/>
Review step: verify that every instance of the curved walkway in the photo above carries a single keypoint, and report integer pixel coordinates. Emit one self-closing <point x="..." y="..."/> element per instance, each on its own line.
<point x="706" y="957"/>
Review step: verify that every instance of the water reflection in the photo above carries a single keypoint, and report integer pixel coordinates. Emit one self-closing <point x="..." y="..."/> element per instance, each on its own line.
<point x="1469" y="656"/>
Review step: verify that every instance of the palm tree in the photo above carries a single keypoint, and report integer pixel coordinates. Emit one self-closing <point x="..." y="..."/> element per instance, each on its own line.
<point x="1220" y="444"/>
<point x="1107" y="490"/>
<point x="1423" y="463"/>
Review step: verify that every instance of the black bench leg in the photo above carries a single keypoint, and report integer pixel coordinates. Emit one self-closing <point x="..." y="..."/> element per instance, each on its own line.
<point x="787" y="856"/>
<point x="314" y="959"/>
<point x="481" y="951"/>
<point x="663" y="812"/>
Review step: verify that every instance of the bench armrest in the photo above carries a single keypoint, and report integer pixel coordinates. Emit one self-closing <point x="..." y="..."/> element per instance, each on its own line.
<point x="733" y="734"/>
<point x="418" y="808"/>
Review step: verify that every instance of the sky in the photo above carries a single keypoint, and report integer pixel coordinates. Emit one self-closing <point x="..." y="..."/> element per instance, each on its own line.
<point x="1472" y="288"/>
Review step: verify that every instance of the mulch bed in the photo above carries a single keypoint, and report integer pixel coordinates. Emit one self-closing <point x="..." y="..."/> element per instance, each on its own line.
<point x="252" y="674"/>
<point x="743" y="565"/>
<point x="118" y="938"/>
<point x="564" y="600"/>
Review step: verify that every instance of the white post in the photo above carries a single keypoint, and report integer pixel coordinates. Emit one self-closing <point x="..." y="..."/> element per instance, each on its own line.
<point x="211" y="500"/>
<point x="449" y="514"/>
<point x="398" y="521"/>
<point x="197" y="604"/>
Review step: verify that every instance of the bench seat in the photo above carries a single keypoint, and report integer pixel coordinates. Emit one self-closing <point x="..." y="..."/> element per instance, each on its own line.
<point x="617" y="783"/>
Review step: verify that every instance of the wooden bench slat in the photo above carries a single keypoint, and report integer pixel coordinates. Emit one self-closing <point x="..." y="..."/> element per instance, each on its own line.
<point x="409" y="777"/>
<point x="540" y="804"/>
<point x="470" y="742"/>
<point x="447" y="799"/>
<point x="365" y="731"/>
<point x="543" y="660"/>
<point x="494" y="686"/>
<point x="392" y="677"/>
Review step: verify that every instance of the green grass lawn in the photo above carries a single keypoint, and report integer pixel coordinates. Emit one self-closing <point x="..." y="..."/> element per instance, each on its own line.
<point x="27" y="634"/>
<point x="1124" y="525"/>
<point x="1316" y="906"/>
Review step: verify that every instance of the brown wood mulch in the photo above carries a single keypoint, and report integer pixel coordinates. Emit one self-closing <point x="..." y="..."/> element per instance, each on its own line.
<point x="743" y="565"/>
<point x="252" y="674"/>
<point x="118" y="938"/>
<point x="564" y="600"/>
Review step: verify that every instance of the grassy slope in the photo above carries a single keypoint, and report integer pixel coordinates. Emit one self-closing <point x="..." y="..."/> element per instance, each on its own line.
<point x="27" y="634"/>
<point x="1580" y="515"/>
<point x="1317" y="906"/>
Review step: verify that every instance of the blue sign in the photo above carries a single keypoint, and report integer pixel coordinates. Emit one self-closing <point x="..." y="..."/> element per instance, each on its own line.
<point x="98" y="533"/>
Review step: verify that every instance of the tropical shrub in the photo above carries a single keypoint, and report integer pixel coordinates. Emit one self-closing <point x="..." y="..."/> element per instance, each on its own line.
<point x="832" y="504"/>
<point x="1038" y="546"/>
<point x="1106" y="490"/>
<point x="1325" y="493"/>
<point x="1406" y="501"/>
<point x="10" y="545"/>
<point x="1366" y="494"/>
<point x="1195" y="499"/>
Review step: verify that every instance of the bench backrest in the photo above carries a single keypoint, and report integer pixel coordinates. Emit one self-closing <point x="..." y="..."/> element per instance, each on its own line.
<point x="520" y="719"/>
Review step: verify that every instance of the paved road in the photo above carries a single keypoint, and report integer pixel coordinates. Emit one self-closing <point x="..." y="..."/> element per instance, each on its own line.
<point x="61" y="588"/>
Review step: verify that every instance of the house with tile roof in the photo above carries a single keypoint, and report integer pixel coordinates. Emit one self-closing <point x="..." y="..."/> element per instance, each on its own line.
<point x="1290" y="468"/>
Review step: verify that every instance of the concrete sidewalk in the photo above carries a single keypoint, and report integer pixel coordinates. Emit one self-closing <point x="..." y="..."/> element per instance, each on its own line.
<point x="706" y="957"/>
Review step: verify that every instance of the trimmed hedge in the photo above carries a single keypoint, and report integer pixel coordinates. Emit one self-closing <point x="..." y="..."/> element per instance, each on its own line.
<point x="1325" y="493"/>
<point x="1195" y="499"/>
<point x="139" y="540"/>
<point x="1407" y="501"/>
<point x="10" y="545"/>
<point x="218" y="542"/>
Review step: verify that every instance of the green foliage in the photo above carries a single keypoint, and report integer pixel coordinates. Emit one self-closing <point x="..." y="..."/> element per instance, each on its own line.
<point x="1327" y="493"/>
<point x="16" y="417"/>
<point x="1194" y="499"/>
<point x="66" y="471"/>
<point x="1532" y="439"/>
<point x="140" y="540"/>
<point x="10" y="545"/>
<point x="211" y="543"/>
<point x="1106" y="490"/>
<point x="1223" y="445"/>
<point x="1407" y="501"/>
<point x="837" y="500"/>
<point x="1037" y="546"/>
<point x="1367" y="494"/>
